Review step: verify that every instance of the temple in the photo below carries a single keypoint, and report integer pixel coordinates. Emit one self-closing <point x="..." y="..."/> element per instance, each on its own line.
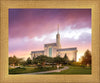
<point x="54" y="49"/>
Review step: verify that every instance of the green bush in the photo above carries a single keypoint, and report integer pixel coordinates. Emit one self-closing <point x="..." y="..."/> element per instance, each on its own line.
<point x="16" y="70"/>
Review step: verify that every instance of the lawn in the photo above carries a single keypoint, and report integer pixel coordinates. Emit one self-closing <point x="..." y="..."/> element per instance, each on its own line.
<point x="29" y="70"/>
<point x="20" y="70"/>
<point x="71" y="70"/>
<point x="75" y="70"/>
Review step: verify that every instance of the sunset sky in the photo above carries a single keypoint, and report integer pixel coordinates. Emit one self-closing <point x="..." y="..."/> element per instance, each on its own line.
<point x="30" y="29"/>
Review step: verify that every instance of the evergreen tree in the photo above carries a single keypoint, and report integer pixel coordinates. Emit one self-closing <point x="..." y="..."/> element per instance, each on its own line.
<point x="66" y="58"/>
<point x="29" y="61"/>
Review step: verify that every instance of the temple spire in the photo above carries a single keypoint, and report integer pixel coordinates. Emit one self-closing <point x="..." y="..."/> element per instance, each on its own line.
<point x="58" y="38"/>
<point x="58" y="28"/>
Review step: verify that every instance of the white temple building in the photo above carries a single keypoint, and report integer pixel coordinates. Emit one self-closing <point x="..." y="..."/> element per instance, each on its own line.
<point x="54" y="49"/>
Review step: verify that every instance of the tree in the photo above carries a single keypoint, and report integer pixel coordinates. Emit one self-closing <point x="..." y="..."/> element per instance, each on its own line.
<point x="66" y="60"/>
<point x="40" y="60"/>
<point x="49" y="60"/>
<point x="14" y="60"/>
<point x="23" y="62"/>
<point x="86" y="59"/>
<point x="35" y="61"/>
<point x="65" y="56"/>
<point x="58" y="60"/>
<point x="28" y="61"/>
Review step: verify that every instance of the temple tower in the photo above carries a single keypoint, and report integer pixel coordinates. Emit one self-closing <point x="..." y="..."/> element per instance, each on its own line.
<point x="58" y="39"/>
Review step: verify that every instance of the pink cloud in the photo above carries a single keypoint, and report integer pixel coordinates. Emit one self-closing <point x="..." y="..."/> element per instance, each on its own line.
<point x="37" y="22"/>
<point x="33" y="23"/>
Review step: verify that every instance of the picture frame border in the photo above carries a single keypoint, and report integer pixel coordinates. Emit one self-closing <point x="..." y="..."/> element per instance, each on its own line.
<point x="94" y="5"/>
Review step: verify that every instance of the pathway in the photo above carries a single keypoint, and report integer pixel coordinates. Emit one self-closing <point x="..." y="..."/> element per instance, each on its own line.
<point x="58" y="70"/>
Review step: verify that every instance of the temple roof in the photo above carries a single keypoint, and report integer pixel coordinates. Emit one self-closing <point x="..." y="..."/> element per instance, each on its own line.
<point x="37" y="51"/>
<point x="67" y="49"/>
<point x="50" y="44"/>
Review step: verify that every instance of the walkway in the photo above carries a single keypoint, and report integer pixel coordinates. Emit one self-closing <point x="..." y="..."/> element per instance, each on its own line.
<point x="59" y="70"/>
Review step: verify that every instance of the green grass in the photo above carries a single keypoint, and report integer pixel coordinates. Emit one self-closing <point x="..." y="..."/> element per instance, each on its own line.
<point x="71" y="70"/>
<point x="75" y="70"/>
<point x="29" y="70"/>
<point x="20" y="70"/>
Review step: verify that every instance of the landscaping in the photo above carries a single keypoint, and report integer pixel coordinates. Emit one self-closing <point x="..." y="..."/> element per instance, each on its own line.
<point x="74" y="70"/>
<point x="20" y="70"/>
<point x="48" y="64"/>
<point x="70" y="70"/>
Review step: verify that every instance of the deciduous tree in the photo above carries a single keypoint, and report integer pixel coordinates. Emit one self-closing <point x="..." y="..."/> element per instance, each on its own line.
<point x="14" y="60"/>
<point x="86" y="59"/>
